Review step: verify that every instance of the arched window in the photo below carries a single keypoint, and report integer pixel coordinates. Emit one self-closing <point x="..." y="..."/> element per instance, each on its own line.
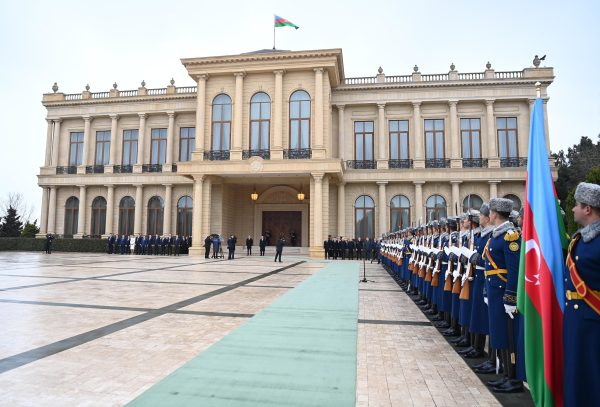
<point x="436" y="208"/>
<point x="260" y="119"/>
<point x="126" y="216"/>
<point x="472" y="201"/>
<point x="221" y="123"/>
<point x="155" y="216"/>
<point x="516" y="201"/>
<point x="399" y="213"/>
<point x="299" y="120"/>
<point x="71" y="216"/>
<point x="98" y="216"/>
<point x="364" y="217"/>
<point x="184" y="216"/>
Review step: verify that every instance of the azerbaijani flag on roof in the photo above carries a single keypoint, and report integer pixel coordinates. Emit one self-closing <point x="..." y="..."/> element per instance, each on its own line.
<point x="282" y="22"/>
<point x="541" y="292"/>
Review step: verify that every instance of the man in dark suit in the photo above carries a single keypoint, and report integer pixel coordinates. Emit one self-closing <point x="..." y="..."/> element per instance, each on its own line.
<point x="207" y="243"/>
<point x="109" y="247"/>
<point x="279" y="248"/>
<point x="351" y="246"/>
<point x="170" y="245"/>
<point x="326" y="246"/>
<point x="231" y="247"/>
<point x="359" y="249"/>
<point x="178" y="243"/>
<point x="262" y="243"/>
<point x="249" y="243"/>
<point x="49" y="239"/>
<point x="157" y="241"/>
<point x="368" y="248"/>
<point x="343" y="248"/>
<point x="163" y="245"/>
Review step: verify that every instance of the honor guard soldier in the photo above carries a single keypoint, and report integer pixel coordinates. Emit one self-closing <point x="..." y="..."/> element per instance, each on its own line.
<point x="581" y="323"/>
<point x="502" y="253"/>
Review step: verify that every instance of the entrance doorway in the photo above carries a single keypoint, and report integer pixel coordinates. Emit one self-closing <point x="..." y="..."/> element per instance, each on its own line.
<point x="282" y="223"/>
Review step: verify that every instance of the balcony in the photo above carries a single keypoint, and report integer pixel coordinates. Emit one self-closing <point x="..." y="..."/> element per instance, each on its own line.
<point x="151" y="167"/>
<point x="406" y="163"/>
<point x="173" y="167"/>
<point x="297" y="153"/>
<point x="475" y="163"/>
<point x="513" y="162"/>
<point x="216" y="155"/>
<point x="123" y="169"/>
<point x="362" y="164"/>
<point x="94" y="169"/>
<point x="71" y="169"/>
<point x="437" y="163"/>
<point x="264" y="154"/>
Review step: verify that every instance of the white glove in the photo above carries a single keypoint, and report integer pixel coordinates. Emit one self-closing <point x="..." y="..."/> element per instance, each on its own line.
<point x="510" y="310"/>
<point x="485" y="300"/>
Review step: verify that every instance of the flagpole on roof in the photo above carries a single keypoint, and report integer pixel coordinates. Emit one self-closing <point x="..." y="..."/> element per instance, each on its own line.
<point x="273" y="34"/>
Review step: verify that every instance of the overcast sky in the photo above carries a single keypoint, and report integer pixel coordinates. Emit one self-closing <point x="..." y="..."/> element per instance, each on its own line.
<point x="101" y="42"/>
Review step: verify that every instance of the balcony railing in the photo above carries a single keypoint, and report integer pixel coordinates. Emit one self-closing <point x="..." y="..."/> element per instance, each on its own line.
<point x="362" y="164"/>
<point x="474" y="162"/>
<point x="406" y="163"/>
<point x="71" y="169"/>
<point x="94" y="169"/>
<point x="216" y="155"/>
<point x="173" y="167"/>
<point x="123" y="169"/>
<point x="437" y="163"/>
<point x="513" y="162"/>
<point x="297" y="153"/>
<point x="264" y="154"/>
<point x="151" y="168"/>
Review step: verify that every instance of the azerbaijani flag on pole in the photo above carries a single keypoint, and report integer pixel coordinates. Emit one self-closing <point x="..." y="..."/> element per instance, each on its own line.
<point x="541" y="294"/>
<point x="282" y="22"/>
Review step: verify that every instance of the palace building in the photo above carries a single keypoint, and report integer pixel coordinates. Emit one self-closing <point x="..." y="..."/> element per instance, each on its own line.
<point x="284" y="142"/>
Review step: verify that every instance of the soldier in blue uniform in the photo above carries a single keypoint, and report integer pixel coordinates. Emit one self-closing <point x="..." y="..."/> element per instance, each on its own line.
<point x="502" y="254"/>
<point x="581" y="323"/>
<point x="447" y="260"/>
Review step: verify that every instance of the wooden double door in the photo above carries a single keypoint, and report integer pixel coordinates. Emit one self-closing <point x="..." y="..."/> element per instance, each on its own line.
<point x="282" y="223"/>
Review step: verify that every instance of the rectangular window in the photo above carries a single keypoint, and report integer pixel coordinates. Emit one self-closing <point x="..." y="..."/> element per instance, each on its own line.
<point x="158" y="148"/>
<point x="76" y="148"/>
<point x="363" y="141"/>
<point x="434" y="139"/>
<point x="130" y="147"/>
<point x="102" y="147"/>
<point x="187" y="143"/>
<point x="398" y="139"/>
<point x="470" y="132"/>
<point x="507" y="137"/>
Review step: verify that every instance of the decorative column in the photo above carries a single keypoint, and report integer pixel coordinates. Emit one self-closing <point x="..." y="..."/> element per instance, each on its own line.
<point x="197" y="240"/>
<point x="418" y="202"/>
<point x="317" y="249"/>
<point x="137" y="168"/>
<point x="56" y="142"/>
<point x="341" y="209"/>
<point x="168" y="167"/>
<point x="110" y="208"/>
<point x="201" y="115"/>
<point x="44" y="213"/>
<point x="493" y="160"/>
<point x="168" y="209"/>
<point x="52" y="211"/>
<point x="48" y="156"/>
<point x="456" y="206"/>
<point x="455" y="161"/>
<point x="493" y="189"/>
<point x="238" y="103"/>
<point x="86" y="144"/>
<point x="318" y="146"/>
<point x="341" y="131"/>
<point x="114" y="142"/>
<point x="206" y="199"/>
<point x="382" y="159"/>
<point x="382" y="208"/>
<point x="277" y="150"/>
<point x="139" y="207"/>
<point x="82" y="215"/>
<point x="419" y="160"/>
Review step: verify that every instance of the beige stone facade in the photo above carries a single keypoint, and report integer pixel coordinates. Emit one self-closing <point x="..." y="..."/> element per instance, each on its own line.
<point x="327" y="168"/>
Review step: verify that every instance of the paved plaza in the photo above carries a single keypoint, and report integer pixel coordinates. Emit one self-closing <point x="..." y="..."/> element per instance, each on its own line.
<point x="100" y="330"/>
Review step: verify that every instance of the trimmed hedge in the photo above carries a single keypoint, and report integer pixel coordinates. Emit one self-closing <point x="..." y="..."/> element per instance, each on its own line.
<point x="60" y="245"/>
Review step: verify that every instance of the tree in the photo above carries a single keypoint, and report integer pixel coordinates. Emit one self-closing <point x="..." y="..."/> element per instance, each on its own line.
<point x="16" y="201"/>
<point x="594" y="177"/>
<point x="11" y="225"/>
<point x="30" y="229"/>
<point x="574" y="166"/>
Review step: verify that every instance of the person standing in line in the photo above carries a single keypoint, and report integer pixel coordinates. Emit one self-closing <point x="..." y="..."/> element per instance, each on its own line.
<point x="49" y="239"/>
<point x="262" y="244"/>
<point x="249" y="243"/>
<point x="231" y="248"/>
<point x="216" y="245"/>
<point x="279" y="248"/>
<point x="207" y="244"/>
